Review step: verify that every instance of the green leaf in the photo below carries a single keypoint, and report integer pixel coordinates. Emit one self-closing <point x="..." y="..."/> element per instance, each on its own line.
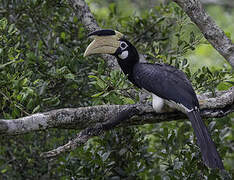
<point x="128" y="100"/>
<point x="63" y="35"/>
<point x="105" y="94"/>
<point x="98" y="94"/>
<point x="6" y="64"/>
<point x="92" y="76"/>
<point x="3" y="23"/>
<point x="3" y="171"/>
<point x="11" y="29"/>
<point x="123" y="151"/>
<point x="101" y="84"/>
<point x="42" y="89"/>
<point x="228" y="34"/>
<point x="70" y="76"/>
<point x="230" y="82"/>
<point x="16" y="112"/>
<point x="30" y="104"/>
<point x="36" y="109"/>
<point x="106" y="155"/>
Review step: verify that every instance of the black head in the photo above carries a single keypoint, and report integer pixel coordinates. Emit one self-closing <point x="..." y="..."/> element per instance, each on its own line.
<point x="126" y="51"/>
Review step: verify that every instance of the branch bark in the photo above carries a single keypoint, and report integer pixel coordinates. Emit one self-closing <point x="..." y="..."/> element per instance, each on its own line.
<point x="84" y="14"/>
<point x="217" y="107"/>
<point x="84" y="117"/>
<point x="209" y="29"/>
<point x="89" y="132"/>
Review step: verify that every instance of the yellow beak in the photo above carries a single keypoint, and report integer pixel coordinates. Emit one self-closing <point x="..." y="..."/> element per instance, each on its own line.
<point x="104" y="44"/>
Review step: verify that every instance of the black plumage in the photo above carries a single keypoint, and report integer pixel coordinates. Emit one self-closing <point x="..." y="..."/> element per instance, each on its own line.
<point x="166" y="82"/>
<point x="162" y="80"/>
<point x="171" y="84"/>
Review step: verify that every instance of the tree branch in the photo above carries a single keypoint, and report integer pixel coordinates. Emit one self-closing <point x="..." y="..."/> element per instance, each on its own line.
<point x="209" y="29"/>
<point x="84" y="14"/>
<point x="89" y="132"/>
<point x="81" y="118"/>
<point x="84" y="117"/>
<point x="122" y="116"/>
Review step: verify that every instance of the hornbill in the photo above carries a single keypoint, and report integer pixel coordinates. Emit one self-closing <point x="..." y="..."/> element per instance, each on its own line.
<point x="167" y="84"/>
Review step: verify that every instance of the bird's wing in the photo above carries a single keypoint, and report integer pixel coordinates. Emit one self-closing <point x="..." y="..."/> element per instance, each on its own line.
<point x="166" y="82"/>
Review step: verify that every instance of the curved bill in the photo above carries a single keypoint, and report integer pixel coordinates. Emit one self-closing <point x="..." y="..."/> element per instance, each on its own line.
<point x="103" y="43"/>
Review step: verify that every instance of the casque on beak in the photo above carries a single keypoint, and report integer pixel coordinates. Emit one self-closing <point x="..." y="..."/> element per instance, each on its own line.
<point x="105" y="42"/>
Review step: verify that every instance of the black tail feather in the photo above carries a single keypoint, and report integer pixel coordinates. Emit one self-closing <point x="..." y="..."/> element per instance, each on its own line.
<point x="208" y="150"/>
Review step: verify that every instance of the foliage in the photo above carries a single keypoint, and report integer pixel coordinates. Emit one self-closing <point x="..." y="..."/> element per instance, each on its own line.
<point x="113" y="88"/>
<point x="42" y="68"/>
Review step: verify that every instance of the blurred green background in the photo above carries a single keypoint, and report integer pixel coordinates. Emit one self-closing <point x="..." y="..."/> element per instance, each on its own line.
<point x="42" y="68"/>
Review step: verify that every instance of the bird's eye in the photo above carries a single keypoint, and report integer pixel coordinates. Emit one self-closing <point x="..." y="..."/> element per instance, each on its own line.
<point x="123" y="45"/>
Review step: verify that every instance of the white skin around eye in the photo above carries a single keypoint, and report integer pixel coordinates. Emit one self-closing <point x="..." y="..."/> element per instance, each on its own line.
<point x="123" y="45"/>
<point x="123" y="55"/>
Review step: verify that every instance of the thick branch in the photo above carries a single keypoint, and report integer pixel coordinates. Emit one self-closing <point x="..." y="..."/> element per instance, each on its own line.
<point x="116" y="119"/>
<point x="83" y="117"/>
<point x="89" y="132"/>
<point x="84" y="14"/>
<point x="209" y="29"/>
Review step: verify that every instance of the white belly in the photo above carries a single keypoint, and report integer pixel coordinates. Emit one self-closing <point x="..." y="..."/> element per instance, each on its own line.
<point x="158" y="103"/>
<point x="162" y="105"/>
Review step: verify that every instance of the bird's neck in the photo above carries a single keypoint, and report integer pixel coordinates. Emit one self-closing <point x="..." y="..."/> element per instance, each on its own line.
<point x="127" y="66"/>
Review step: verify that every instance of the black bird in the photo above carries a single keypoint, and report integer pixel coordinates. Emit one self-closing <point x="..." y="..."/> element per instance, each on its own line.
<point x="167" y="84"/>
